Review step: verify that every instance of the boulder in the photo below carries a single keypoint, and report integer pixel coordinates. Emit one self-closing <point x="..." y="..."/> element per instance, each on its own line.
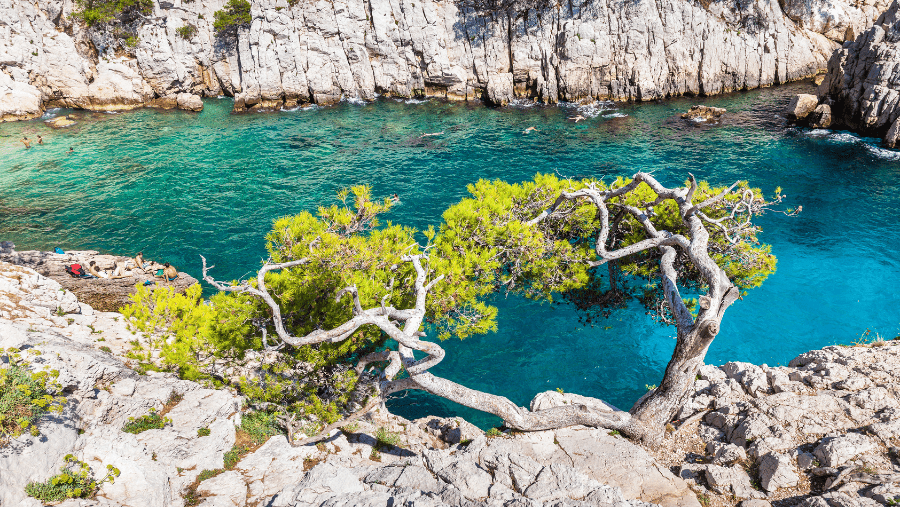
<point x="189" y="102"/>
<point x="801" y="106"/>
<point x="776" y="471"/>
<point x="725" y="454"/>
<point x="731" y="481"/>
<point x="835" y="451"/>
<point x="821" y="117"/>
<point x="704" y="113"/>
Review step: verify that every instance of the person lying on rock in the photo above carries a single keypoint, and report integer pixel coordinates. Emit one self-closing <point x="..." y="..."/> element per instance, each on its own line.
<point x="94" y="270"/>
<point x="139" y="262"/>
<point x="121" y="270"/>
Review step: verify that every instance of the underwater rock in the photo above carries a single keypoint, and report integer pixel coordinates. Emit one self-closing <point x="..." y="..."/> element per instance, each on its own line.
<point x="704" y="113"/>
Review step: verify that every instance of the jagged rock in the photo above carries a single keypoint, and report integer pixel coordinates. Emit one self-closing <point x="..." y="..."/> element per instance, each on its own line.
<point x="862" y="80"/>
<point x="725" y="454"/>
<point x="321" y="483"/>
<point x="838" y="499"/>
<point x="452" y="430"/>
<point x="226" y="490"/>
<point x="731" y="481"/>
<point x="320" y="52"/>
<point x="755" y="502"/>
<point x="884" y="494"/>
<point x="801" y="106"/>
<point x="821" y="117"/>
<point x="18" y="100"/>
<point x="704" y="113"/>
<point x="776" y="471"/>
<point x="835" y="451"/>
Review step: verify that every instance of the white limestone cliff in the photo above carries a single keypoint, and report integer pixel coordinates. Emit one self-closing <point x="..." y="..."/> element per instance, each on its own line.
<point x="319" y="51"/>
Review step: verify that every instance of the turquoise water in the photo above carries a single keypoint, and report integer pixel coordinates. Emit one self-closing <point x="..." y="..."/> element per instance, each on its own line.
<point x="177" y="185"/>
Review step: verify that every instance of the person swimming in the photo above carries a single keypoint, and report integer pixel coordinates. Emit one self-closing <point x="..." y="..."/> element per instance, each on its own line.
<point x="26" y="142"/>
<point x="71" y="150"/>
<point x="40" y="140"/>
<point x="577" y="118"/>
<point x="395" y="198"/>
<point x="529" y="129"/>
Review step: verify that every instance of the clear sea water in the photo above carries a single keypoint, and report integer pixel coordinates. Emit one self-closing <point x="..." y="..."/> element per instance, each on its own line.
<point x="177" y="185"/>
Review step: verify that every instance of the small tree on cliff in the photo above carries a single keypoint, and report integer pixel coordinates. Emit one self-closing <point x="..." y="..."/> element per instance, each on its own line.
<point x="235" y="15"/>
<point x="538" y="239"/>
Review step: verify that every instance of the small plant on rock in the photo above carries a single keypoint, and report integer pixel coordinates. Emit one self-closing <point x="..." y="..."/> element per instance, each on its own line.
<point x="75" y="480"/>
<point x="186" y="32"/>
<point x="493" y="432"/>
<point x="106" y="349"/>
<point x="203" y="432"/>
<point x="386" y="439"/>
<point x="151" y="421"/>
<point x="25" y="395"/>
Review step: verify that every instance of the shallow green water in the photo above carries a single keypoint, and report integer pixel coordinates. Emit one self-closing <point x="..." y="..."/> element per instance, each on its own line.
<point x="176" y="185"/>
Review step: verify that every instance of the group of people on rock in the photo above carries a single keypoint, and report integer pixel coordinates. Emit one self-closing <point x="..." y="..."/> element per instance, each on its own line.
<point x="126" y="268"/>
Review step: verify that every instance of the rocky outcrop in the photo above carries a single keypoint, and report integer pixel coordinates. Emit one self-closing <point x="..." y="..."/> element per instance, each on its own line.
<point x="321" y="51"/>
<point x="106" y="294"/>
<point x="436" y="462"/>
<point x="861" y="86"/>
<point x="831" y="417"/>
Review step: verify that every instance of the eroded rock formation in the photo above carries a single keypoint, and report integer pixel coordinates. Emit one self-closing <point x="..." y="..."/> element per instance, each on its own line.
<point x="319" y="51"/>
<point x="861" y="86"/>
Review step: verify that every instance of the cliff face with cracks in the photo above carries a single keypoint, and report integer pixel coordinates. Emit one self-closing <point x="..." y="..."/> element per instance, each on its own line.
<point x="320" y="51"/>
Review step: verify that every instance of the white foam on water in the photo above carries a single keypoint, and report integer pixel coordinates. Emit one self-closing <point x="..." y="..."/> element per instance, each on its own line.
<point x="355" y="101"/>
<point x="615" y="115"/>
<point x="522" y="103"/>
<point x="870" y="144"/>
<point x="50" y="113"/>
<point x="414" y="101"/>
<point x="883" y="153"/>
<point x="592" y="109"/>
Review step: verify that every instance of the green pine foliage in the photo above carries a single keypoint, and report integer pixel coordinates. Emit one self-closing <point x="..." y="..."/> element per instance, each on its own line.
<point x="482" y="247"/>
<point x="235" y="14"/>
<point x="98" y="12"/>
<point x="186" y="32"/>
<point x="75" y="480"/>
<point x="25" y="395"/>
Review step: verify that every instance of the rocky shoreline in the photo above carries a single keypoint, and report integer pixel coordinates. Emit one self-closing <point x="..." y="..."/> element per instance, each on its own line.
<point x="821" y="432"/>
<point x="319" y="52"/>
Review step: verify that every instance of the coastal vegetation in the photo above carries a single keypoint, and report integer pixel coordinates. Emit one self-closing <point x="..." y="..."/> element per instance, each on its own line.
<point x="342" y="292"/>
<point x="25" y="395"/>
<point x="75" y="480"/>
<point x="235" y="15"/>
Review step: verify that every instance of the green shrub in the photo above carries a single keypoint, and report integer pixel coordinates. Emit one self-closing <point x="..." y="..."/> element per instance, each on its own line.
<point x="187" y="32"/>
<point x="132" y="43"/>
<point x="386" y="439"/>
<point x="235" y="14"/>
<point x="203" y="432"/>
<point x="106" y="349"/>
<point x="151" y="421"/>
<point x="493" y="432"/>
<point x="98" y="12"/>
<point x="76" y="480"/>
<point x="209" y="474"/>
<point x="25" y="395"/>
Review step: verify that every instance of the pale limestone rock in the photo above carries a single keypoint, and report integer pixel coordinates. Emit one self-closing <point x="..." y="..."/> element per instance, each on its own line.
<point x="835" y="451"/>
<point x="18" y="101"/>
<point x="189" y="102"/>
<point x="776" y="471"/>
<point x="731" y="481"/>
<point x="227" y="489"/>
<point x="801" y="106"/>
<point x="725" y="454"/>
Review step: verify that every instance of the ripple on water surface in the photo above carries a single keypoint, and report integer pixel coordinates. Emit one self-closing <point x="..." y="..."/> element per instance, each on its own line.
<point x="177" y="185"/>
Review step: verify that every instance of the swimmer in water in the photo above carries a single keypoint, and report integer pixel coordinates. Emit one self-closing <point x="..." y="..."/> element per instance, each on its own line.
<point x="26" y="142"/>
<point x="529" y="129"/>
<point x="71" y="150"/>
<point x="40" y="140"/>
<point x="577" y="118"/>
<point x="434" y="134"/>
<point x="395" y="198"/>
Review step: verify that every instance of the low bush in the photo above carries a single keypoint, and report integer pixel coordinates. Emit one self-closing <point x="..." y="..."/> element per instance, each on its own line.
<point x="186" y="32"/>
<point x="203" y="432"/>
<point x="151" y="421"/>
<point x="25" y="395"/>
<point x="75" y="480"/>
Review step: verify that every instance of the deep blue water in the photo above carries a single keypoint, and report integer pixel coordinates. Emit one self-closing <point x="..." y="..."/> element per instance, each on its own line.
<point x="177" y="185"/>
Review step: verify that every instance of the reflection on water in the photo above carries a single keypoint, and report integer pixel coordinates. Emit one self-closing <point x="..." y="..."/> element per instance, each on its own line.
<point x="177" y="184"/>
